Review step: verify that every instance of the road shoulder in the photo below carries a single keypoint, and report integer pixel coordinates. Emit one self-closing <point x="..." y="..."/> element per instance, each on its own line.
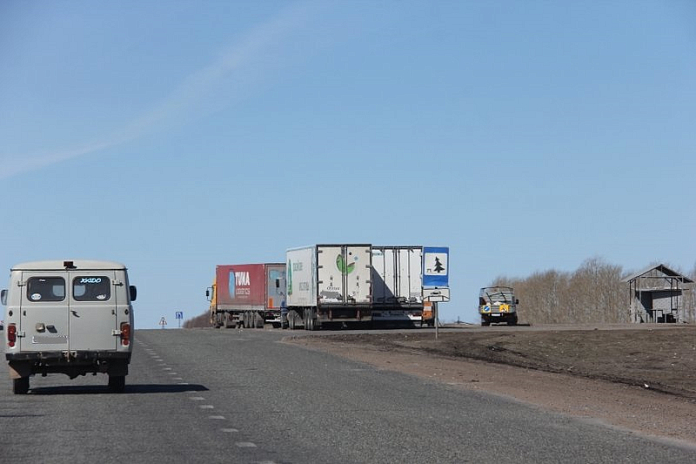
<point x="631" y="408"/>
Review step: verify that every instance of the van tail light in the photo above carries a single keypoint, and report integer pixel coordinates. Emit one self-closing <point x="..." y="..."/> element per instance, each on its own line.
<point x="11" y="335"/>
<point x="125" y="333"/>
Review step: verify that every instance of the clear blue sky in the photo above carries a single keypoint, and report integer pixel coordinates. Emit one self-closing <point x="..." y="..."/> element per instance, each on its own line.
<point x="173" y="136"/>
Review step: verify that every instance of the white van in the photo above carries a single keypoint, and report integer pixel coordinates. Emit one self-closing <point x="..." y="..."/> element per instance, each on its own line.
<point x="68" y="317"/>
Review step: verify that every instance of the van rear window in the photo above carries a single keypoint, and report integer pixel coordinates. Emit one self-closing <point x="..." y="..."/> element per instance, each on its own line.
<point x="91" y="288"/>
<point x="46" y="289"/>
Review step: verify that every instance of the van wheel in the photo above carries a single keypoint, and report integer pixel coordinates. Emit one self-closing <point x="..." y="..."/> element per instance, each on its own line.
<point x="117" y="383"/>
<point x="20" y="386"/>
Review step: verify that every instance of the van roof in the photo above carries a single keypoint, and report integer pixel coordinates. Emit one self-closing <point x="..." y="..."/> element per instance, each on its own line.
<point x="60" y="265"/>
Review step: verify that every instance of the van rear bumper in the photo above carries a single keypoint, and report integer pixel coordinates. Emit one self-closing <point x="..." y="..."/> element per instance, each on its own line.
<point x="71" y="363"/>
<point x="69" y="356"/>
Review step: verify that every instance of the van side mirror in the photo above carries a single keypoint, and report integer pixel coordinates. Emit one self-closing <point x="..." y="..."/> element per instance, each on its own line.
<point x="133" y="292"/>
<point x="517" y="301"/>
<point x="3" y="297"/>
<point x="207" y="293"/>
<point x="277" y="283"/>
<point x="482" y="302"/>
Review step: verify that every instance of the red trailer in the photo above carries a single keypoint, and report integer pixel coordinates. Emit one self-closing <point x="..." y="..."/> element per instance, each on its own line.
<point x="247" y="295"/>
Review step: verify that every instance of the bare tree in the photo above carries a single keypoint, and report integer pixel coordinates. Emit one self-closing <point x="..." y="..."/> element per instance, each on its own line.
<point x="593" y="293"/>
<point x="202" y="320"/>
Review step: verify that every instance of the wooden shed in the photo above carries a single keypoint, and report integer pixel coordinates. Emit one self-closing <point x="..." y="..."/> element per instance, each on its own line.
<point x="659" y="294"/>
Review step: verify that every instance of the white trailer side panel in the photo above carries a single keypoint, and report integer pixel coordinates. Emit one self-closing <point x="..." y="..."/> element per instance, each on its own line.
<point x="415" y="274"/>
<point x="397" y="275"/>
<point x="301" y="274"/>
<point x="381" y="266"/>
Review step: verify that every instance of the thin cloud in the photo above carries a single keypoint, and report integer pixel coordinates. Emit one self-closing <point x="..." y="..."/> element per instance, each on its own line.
<point x="202" y="92"/>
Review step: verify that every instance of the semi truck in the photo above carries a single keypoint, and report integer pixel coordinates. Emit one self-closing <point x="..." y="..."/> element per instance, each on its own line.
<point x="329" y="284"/>
<point x="498" y="304"/>
<point x="68" y="317"/>
<point x="247" y="295"/>
<point x="397" y="286"/>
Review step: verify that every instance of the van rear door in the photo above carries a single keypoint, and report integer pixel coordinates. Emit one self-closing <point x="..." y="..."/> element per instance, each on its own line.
<point x="43" y="311"/>
<point x="92" y="318"/>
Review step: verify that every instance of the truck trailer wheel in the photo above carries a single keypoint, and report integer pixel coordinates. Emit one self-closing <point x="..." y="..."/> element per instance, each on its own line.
<point x="20" y="386"/>
<point x="310" y="320"/>
<point x="258" y="321"/>
<point x="117" y="383"/>
<point x="293" y="318"/>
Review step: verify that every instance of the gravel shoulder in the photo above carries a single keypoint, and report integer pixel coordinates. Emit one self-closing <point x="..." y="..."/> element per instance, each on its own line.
<point x="637" y="377"/>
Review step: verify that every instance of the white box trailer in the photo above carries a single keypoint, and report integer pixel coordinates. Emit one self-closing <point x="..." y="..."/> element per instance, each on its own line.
<point x="397" y="285"/>
<point x="328" y="284"/>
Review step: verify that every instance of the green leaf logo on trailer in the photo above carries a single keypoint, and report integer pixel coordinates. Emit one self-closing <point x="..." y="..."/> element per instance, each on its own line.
<point x="289" y="277"/>
<point x="343" y="266"/>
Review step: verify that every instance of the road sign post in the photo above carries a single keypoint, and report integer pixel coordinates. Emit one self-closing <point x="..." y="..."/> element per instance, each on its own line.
<point x="179" y="317"/>
<point x="436" y="279"/>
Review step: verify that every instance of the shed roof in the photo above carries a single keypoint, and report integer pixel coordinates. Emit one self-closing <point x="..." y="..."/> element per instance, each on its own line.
<point x="663" y="269"/>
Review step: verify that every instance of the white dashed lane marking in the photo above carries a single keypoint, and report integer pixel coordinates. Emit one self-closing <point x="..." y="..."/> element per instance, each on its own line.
<point x="246" y="444"/>
<point x="242" y="444"/>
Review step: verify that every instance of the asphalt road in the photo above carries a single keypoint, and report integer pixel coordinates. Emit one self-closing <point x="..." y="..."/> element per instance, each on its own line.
<point x="242" y="396"/>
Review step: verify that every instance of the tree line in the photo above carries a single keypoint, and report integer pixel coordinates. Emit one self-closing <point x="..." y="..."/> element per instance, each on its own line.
<point x="594" y="293"/>
<point x="202" y="320"/>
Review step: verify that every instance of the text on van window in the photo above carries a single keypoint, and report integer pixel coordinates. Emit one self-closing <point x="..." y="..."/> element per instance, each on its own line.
<point x="91" y="288"/>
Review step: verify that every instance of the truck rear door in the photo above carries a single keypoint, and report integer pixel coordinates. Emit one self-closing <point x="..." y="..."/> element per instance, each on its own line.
<point x="93" y="309"/>
<point x="358" y="288"/>
<point x="43" y="311"/>
<point x="275" y="286"/>
<point x="345" y="273"/>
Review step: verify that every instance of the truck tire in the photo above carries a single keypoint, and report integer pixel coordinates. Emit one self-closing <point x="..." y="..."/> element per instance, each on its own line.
<point x="20" y="386"/>
<point x="258" y="321"/>
<point x="117" y="383"/>
<point x="293" y="317"/>
<point x="309" y="320"/>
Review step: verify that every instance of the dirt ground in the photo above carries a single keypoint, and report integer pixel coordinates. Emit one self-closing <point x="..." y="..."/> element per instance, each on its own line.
<point x="637" y="377"/>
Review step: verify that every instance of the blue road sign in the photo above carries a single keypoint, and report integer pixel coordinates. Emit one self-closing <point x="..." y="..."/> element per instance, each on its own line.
<point x="435" y="266"/>
<point x="179" y="314"/>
